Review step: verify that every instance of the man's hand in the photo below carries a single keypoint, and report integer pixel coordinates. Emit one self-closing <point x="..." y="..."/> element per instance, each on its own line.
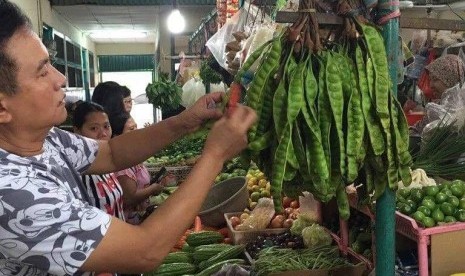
<point x="202" y="110"/>
<point x="228" y="136"/>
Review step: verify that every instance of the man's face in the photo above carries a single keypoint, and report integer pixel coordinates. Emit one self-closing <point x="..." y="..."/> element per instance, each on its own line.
<point x="39" y="101"/>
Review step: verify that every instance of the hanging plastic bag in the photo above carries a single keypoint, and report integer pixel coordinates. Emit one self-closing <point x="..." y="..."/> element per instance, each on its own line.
<point x="192" y="90"/>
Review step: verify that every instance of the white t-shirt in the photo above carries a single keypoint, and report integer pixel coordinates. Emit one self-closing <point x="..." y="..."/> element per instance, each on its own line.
<point x="47" y="225"/>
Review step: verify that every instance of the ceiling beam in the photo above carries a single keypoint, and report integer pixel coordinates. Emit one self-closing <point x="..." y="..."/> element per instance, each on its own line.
<point x="132" y="2"/>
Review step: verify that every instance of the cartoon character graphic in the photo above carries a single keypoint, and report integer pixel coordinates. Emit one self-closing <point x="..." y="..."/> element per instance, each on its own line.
<point x="90" y="219"/>
<point x="12" y="267"/>
<point x="34" y="220"/>
<point x="72" y="254"/>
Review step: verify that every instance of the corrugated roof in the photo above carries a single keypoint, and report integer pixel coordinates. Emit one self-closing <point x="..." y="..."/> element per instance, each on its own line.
<point x="131" y="2"/>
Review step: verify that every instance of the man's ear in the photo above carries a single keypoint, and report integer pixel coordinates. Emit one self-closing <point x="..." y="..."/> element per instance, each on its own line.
<point x="5" y="115"/>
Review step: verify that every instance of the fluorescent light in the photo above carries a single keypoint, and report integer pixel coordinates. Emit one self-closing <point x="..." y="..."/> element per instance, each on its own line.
<point x="176" y="22"/>
<point x="118" y="34"/>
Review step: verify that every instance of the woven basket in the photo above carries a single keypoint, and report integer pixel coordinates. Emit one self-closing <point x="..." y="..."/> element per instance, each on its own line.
<point x="180" y="172"/>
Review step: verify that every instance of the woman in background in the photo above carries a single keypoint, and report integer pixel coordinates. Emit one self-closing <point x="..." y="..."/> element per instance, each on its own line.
<point x="127" y="100"/>
<point x="104" y="191"/>
<point x="109" y="95"/>
<point x="135" y="181"/>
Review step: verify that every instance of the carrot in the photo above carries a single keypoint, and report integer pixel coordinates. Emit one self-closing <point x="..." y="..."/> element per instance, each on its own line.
<point x="234" y="96"/>
<point x="197" y="224"/>
<point x="224" y="231"/>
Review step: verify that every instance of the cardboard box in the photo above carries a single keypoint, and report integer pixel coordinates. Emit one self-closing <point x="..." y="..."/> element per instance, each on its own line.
<point x="447" y="253"/>
<point x="356" y="270"/>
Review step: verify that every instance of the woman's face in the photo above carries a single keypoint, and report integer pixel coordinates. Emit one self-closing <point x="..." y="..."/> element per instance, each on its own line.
<point x="97" y="126"/>
<point x="130" y="125"/>
<point x="127" y="104"/>
<point x="437" y="86"/>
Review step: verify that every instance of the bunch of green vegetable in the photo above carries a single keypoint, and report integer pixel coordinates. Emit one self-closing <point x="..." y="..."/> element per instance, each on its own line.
<point x="207" y="74"/>
<point x="180" y="152"/>
<point x="272" y="260"/>
<point x="441" y="151"/>
<point x="164" y="93"/>
<point x="327" y="115"/>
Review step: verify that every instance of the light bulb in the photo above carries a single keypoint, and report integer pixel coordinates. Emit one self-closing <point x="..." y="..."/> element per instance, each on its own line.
<point x="176" y="22"/>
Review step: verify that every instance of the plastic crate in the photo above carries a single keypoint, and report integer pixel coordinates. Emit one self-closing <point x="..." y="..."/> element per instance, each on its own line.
<point x="243" y="237"/>
<point x="408" y="227"/>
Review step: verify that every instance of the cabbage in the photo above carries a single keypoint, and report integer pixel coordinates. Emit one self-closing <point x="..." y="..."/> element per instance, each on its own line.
<point x="299" y="224"/>
<point x="315" y="235"/>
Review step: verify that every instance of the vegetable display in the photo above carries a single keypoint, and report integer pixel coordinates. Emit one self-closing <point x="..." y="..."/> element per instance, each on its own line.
<point x="434" y="205"/>
<point x="326" y="115"/>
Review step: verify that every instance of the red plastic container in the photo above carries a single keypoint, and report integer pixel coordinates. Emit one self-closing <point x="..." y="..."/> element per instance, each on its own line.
<point x="413" y="117"/>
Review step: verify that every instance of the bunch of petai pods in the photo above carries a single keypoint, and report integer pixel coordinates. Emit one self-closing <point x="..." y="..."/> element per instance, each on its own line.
<point x="327" y="117"/>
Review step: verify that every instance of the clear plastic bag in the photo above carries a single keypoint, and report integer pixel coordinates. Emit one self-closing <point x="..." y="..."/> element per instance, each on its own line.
<point x="232" y="270"/>
<point x="245" y="20"/>
<point x="192" y="90"/>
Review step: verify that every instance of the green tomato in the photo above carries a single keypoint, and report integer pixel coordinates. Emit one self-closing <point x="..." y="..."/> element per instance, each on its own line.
<point x="428" y="222"/>
<point x="406" y="209"/>
<point x="431" y="190"/>
<point x="424" y="210"/>
<point x="437" y="215"/>
<point x="462" y="203"/>
<point x="412" y="204"/>
<point x="457" y="189"/>
<point x="447" y="208"/>
<point x="418" y="216"/>
<point x="460" y="215"/>
<point x="405" y="193"/>
<point x="416" y="194"/>
<point x="440" y="198"/>
<point x="454" y="201"/>
<point x="428" y="203"/>
<point x="449" y="219"/>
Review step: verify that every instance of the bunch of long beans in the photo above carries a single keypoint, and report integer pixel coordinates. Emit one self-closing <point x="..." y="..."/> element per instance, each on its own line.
<point x="272" y="260"/>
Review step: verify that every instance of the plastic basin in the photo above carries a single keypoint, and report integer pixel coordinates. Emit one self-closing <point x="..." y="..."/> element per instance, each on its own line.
<point x="228" y="196"/>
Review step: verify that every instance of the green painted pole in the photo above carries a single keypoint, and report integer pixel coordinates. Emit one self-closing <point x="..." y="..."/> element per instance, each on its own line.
<point x="386" y="205"/>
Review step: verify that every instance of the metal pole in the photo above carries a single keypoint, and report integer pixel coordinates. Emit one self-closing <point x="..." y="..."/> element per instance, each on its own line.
<point x="386" y="204"/>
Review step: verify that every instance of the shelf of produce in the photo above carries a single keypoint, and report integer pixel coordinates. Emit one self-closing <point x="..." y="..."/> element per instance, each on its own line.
<point x="408" y="227"/>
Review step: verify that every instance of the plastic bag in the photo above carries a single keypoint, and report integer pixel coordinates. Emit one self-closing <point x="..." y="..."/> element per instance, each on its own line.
<point x="192" y="90"/>
<point x="310" y="207"/>
<point x="232" y="270"/>
<point x="242" y="21"/>
<point x="260" y="217"/>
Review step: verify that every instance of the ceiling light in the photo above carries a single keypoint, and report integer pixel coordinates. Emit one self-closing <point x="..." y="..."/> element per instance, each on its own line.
<point x="118" y="34"/>
<point x="176" y="22"/>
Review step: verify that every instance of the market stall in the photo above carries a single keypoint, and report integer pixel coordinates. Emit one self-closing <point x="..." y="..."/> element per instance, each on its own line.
<point x="329" y="124"/>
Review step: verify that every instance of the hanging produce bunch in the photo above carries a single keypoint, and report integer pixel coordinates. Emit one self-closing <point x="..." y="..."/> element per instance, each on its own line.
<point x="327" y="116"/>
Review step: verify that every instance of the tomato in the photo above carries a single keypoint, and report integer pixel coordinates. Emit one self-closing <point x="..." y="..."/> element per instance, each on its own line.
<point x="460" y="215"/>
<point x="424" y="210"/>
<point x="428" y="222"/>
<point x="437" y="215"/>
<point x="447" y="208"/>
<point x="418" y="216"/>
<point x="457" y="189"/>
<point x="428" y="203"/>
<point x="431" y="190"/>
<point x="454" y="201"/>
<point x="440" y="197"/>
<point x="416" y="194"/>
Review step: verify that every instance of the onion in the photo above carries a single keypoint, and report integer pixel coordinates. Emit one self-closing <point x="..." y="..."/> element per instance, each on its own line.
<point x="288" y="223"/>
<point x="234" y="221"/>
<point x="277" y="221"/>
<point x="287" y="202"/>
<point x="294" y="204"/>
